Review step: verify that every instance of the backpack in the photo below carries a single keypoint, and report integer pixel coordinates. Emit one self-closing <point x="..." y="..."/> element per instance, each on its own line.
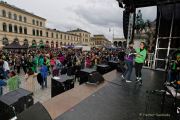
<point x="58" y="64"/>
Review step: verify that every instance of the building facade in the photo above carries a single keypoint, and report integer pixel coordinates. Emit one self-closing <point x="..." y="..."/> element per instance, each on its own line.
<point x="28" y="29"/>
<point x="101" y="41"/>
<point x="119" y="42"/>
<point x="84" y="36"/>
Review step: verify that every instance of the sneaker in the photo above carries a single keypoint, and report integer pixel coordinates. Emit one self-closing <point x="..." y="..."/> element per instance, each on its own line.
<point x="128" y="81"/>
<point x="137" y="80"/>
<point x="122" y="76"/>
<point x="140" y="82"/>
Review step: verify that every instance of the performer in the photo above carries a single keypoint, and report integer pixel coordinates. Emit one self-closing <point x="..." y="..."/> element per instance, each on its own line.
<point x="129" y="62"/>
<point x="139" y="61"/>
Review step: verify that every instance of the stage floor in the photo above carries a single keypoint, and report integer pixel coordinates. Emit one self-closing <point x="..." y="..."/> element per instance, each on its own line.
<point x="119" y="100"/>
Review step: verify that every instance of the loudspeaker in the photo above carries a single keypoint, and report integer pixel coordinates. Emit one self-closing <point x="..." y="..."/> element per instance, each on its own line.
<point x="102" y="69"/>
<point x="95" y="78"/>
<point x="84" y="75"/>
<point x="15" y="102"/>
<point x="56" y="87"/>
<point x="35" y="112"/>
<point x="126" y="14"/>
<point x="61" y="84"/>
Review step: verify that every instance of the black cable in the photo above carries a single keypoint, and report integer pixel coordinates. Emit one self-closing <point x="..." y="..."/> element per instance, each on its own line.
<point x="113" y="83"/>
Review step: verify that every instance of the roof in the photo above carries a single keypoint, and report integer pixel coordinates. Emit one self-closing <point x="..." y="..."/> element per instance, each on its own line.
<point x="15" y="45"/>
<point x="146" y="3"/>
<point x="55" y="30"/>
<point x="78" y="30"/>
<point x="19" y="9"/>
<point x="99" y="35"/>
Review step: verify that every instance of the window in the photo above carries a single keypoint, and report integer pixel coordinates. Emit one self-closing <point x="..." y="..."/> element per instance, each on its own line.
<point x="20" y="18"/>
<point x="5" y="41"/>
<point x="15" y="29"/>
<point x="41" y="42"/>
<point x="61" y="36"/>
<point x="65" y="37"/>
<point x="4" y="27"/>
<point x="15" y="17"/>
<point x="25" y="19"/>
<point x="40" y="24"/>
<point x="20" y="30"/>
<point x="57" y="36"/>
<point x="34" y="32"/>
<point x="52" y="44"/>
<point x="41" y="33"/>
<point x="16" y="40"/>
<point x="37" y="32"/>
<point x="9" y="15"/>
<point x="33" y="22"/>
<point x="37" y="23"/>
<point x="34" y="42"/>
<point x="47" y="34"/>
<point x="26" y="42"/>
<point x="52" y="35"/>
<point x="10" y="28"/>
<point x="25" y="30"/>
<point x="4" y="13"/>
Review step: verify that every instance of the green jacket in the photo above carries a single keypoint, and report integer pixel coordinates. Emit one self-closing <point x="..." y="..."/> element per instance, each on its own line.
<point x="143" y="54"/>
<point x="48" y="62"/>
<point x="13" y="83"/>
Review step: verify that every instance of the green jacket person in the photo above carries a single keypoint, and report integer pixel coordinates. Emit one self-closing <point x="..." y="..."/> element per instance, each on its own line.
<point x="139" y="61"/>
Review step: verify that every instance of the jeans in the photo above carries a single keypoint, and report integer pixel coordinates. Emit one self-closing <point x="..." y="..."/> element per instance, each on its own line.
<point x="1" y="90"/>
<point x="129" y="69"/>
<point x="24" y="69"/>
<point x="18" y="69"/>
<point x="44" y="84"/>
<point x="138" y="68"/>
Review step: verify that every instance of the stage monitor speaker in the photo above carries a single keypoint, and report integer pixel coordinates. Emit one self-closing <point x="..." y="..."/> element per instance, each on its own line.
<point x="35" y="112"/>
<point x="95" y="78"/>
<point x="14" y="103"/>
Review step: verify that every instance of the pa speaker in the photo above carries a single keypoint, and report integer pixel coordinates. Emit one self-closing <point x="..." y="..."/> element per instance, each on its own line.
<point x="95" y="78"/>
<point x="126" y="14"/>
<point x="36" y="112"/>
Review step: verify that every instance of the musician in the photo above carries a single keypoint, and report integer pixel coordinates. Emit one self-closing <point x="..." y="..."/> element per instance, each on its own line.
<point x="139" y="61"/>
<point x="129" y="57"/>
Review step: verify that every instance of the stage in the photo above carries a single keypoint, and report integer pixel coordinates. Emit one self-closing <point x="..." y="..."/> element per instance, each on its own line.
<point x="113" y="100"/>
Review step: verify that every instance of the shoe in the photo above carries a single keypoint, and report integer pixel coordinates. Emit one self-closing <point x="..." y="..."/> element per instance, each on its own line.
<point x="140" y="82"/>
<point x="137" y="80"/>
<point x="128" y="81"/>
<point x="122" y="76"/>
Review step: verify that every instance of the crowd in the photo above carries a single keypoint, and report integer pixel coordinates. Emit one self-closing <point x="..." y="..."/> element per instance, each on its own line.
<point x="43" y="62"/>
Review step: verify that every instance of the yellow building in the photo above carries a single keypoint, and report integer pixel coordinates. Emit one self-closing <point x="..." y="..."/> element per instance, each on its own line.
<point x="28" y="29"/>
<point x="101" y="41"/>
<point x="84" y="36"/>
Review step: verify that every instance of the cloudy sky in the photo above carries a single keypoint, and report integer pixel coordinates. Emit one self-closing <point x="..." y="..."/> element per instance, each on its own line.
<point x="95" y="16"/>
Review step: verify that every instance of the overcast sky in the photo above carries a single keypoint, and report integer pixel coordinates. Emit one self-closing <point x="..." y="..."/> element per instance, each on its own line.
<point x="95" y="16"/>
